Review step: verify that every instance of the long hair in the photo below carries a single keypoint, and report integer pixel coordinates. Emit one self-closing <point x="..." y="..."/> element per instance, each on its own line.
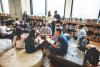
<point x="18" y="33"/>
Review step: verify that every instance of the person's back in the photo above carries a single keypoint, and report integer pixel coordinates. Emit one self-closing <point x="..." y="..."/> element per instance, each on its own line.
<point x="61" y="45"/>
<point x="63" y="42"/>
<point x="29" y="45"/>
<point x="18" y="39"/>
<point x="20" y="43"/>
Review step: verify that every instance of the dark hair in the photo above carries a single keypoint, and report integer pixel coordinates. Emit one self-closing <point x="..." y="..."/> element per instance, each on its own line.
<point x="55" y="11"/>
<point x="49" y="13"/>
<point x="81" y="27"/>
<point x="44" y="24"/>
<point x="18" y="33"/>
<point x="32" y="33"/>
<point x="3" y="22"/>
<point x="58" y="29"/>
<point x="16" y="19"/>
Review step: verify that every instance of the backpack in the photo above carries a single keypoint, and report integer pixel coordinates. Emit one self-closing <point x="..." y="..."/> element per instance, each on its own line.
<point x="83" y="43"/>
<point x="29" y="45"/>
<point x="92" y="56"/>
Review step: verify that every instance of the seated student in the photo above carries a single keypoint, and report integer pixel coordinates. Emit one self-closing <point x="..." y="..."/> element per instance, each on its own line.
<point x="18" y="40"/>
<point x="80" y="33"/>
<point x="24" y="27"/>
<point x="61" y="46"/>
<point x="3" y="31"/>
<point x="45" y="30"/>
<point x="30" y="46"/>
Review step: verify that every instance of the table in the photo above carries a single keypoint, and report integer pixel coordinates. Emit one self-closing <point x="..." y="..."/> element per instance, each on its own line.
<point x="19" y="58"/>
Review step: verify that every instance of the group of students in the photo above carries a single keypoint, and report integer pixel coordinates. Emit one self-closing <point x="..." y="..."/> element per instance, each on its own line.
<point x="36" y="40"/>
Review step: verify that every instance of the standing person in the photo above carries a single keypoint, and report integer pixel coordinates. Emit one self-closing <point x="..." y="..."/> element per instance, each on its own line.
<point x="25" y="17"/>
<point x="56" y="15"/>
<point x="49" y="18"/>
<point x="18" y="40"/>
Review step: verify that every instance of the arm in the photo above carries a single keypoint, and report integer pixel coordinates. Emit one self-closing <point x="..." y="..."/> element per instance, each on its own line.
<point x="14" y="41"/>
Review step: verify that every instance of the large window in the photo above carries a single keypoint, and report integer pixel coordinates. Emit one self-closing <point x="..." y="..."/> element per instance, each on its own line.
<point x="58" y="5"/>
<point x="0" y="7"/>
<point x="25" y="6"/>
<point x="86" y="9"/>
<point x="5" y="5"/>
<point x="39" y="7"/>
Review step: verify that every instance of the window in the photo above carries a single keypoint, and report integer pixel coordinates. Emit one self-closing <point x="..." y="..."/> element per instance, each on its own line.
<point x="25" y="6"/>
<point x="39" y="7"/>
<point x="58" y="5"/>
<point x="5" y="6"/>
<point x="86" y="9"/>
<point x="0" y="7"/>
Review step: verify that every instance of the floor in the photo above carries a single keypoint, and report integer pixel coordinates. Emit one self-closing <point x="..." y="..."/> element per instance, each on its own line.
<point x="6" y="45"/>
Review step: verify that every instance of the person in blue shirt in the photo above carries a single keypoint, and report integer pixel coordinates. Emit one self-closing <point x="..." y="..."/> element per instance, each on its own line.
<point x="61" y="46"/>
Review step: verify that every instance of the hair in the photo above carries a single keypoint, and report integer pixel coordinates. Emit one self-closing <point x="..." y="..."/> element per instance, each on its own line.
<point x="81" y="27"/>
<point x="55" y="11"/>
<point x="58" y="30"/>
<point x="3" y="23"/>
<point x="16" y="19"/>
<point x="18" y="33"/>
<point x="49" y="13"/>
<point x="32" y="33"/>
<point x="44" y="24"/>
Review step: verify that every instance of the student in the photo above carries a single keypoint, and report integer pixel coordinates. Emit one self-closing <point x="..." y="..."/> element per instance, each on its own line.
<point x="61" y="46"/>
<point x="3" y="31"/>
<point x="30" y="45"/>
<point x="45" y="30"/>
<point x="17" y="22"/>
<point x="49" y="18"/>
<point x="56" y="15"/>
<point x="25" y="17"/>
<point x="81" y="33"/>
<point x="18" y="40"/>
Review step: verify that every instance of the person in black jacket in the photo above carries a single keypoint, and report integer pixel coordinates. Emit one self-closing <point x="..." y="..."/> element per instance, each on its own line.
<point x="30" y="45"/>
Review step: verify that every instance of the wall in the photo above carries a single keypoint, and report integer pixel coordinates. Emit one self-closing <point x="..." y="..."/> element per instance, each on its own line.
<point x="15" y="8"/>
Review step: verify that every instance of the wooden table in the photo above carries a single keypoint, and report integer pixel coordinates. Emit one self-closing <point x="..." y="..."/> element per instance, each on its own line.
<point x="19" y="58"/>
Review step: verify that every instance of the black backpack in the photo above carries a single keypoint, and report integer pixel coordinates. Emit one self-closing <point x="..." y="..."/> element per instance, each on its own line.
<point x="92" y="56"/>
<point x="29" y="45"/>
<point x="82" y="43"/>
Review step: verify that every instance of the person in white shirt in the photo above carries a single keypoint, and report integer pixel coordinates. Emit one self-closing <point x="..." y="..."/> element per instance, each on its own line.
<point x="3" y="30"/>
<point x="81" y="32"/>
<point x="17" y="21"/>
<point x="45" y="30"/>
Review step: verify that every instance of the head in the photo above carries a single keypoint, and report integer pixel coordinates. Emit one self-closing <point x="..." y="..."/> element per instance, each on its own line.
<point x="55" y="12"/>
<point x="21" y="22"/>
<point x="44" y="24"/>
<point x="3" y="23"/>
<point x="25" y="12"/>
<point x="19" y="33"/>
<point x="58" y="31"/>
<point x="16" y="19"/>
<point x="32" y="33"/>
<point x="49" y="13"/>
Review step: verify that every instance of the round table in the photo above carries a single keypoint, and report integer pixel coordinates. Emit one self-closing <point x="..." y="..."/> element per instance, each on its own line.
<point x="19" y="58"/>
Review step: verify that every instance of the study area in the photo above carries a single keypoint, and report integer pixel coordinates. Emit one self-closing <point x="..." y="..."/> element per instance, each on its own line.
<point x="49" y="33"/>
